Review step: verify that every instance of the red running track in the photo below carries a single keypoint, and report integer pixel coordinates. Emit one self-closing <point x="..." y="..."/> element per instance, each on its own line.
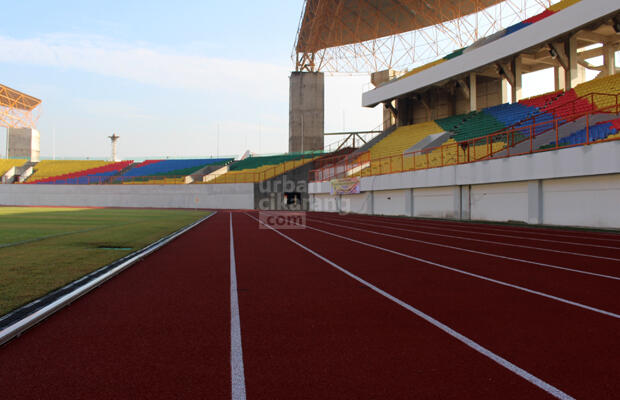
<point x="322" y="316"/>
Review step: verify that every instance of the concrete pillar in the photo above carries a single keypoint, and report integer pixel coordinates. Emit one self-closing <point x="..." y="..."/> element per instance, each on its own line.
<point x="609" y="60"/>
<point x="378" y="78"/>
<point x="506" y="95"/>
<point x="465" y="202"/>
<point x="404" y="106"/>
<point x="517" y="70"/>
<point x="306" y="124"/>
<point x="559" y="77"/>
<point x="23" y="143"/>
<point x="457" y="205"/>
<point x="572" y="73"/>
<point x="473" y="92"/>
<point x="535" y="202"/>
<point x="409" y="203"/>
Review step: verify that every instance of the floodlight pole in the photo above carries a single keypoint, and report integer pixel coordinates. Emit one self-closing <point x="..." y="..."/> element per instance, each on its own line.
<point x="114" y="138"/>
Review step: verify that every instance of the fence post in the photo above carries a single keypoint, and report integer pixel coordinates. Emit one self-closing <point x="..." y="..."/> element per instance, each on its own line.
<point x="587" y="128"/>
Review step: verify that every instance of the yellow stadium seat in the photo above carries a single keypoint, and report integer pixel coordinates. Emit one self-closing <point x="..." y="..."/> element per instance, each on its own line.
<point x="7" y="164"/>
<point x="50" y="168"/>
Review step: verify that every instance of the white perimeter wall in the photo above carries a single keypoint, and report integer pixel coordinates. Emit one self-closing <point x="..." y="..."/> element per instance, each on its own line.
<point x="579" y="186"/>
<point x="436" y="202"/>
<point x="390" y="202"/>
<point x="593" y="201"/>
<point x="585" y="201"/>
<point x="227" y="196"/>
<point x="500" y="202"/>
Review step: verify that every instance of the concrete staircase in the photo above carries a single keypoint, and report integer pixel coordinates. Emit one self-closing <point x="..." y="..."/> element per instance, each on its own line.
<point x="549" y="136"/>
<point x="22" y="173"/>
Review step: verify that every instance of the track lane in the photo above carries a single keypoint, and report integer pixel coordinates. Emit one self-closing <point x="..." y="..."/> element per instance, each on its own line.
<point x="611" y="237"/>
<point x="571" y="348"/>
<point x="580" y="249"/>
<point x="584" y="245"/>
<point x="593" y="291"/>
<point x="312" y="332"/>
<point x="159" y="330"/>
<point x="397" y="233"/>
<point x="595" y="263"/>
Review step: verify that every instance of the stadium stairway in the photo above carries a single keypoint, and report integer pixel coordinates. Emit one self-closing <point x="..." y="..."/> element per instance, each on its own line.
<point x="256" y="169"/>
<point x="597" y="131"/>
<point x="549" y="136"/>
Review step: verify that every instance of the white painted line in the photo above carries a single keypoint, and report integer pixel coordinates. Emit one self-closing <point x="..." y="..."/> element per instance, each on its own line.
<point x="579" y="271"/>
<point x="524" y="289"/>
<point x="236" y="351"/>
<point x="557" y="393"/>
<point x="499" y="243"/>
<point x="31" y="320"/>
<point x="411" y="221"/>
<point x="433" y="226"/>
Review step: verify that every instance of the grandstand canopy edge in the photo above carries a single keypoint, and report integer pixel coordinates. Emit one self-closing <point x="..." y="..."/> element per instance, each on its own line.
<point x="530" y="39"/>
<point x="12" y="98"/>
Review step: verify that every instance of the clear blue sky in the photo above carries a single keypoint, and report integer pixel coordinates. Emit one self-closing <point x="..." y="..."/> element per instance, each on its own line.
<point x="163" y="75"/>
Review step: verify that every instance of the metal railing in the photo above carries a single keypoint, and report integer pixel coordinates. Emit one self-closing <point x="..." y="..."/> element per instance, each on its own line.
<point x="509" y="142"/>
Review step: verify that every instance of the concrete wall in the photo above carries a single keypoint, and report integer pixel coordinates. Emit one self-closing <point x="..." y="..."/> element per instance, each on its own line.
<point x="306" y="111"/>
<point x="500" y="202"/>
<point x="585" y="201"/>
<point x="358" y="203"/>
<point x="325" y="202"/>
<point x="592" y="201"/>
<point x="579" y="186"/>
<point x="390" y="202"/>
<point x="269" y="195"/>
<point x="435" y="202"/>
<point x="24" y="143"/>
<point x="226" y="196"/>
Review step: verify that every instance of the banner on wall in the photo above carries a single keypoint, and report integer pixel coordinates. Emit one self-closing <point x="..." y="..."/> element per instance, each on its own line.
<point x="345" y="185"/>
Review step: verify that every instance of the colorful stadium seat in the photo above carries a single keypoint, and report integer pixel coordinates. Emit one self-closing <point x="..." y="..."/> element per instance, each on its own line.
<point x="401" y="139"/>
<point x="257" y="169"/>
<point x="481" y="134"/>
<point x="7" y="164"/>
<point x="167" y="171"/>
<point x="47" y="170"/>
<point x="89" y="176"/>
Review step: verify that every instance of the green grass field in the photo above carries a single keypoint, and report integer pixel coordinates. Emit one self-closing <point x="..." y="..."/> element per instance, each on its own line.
<point x="42" y="249"/>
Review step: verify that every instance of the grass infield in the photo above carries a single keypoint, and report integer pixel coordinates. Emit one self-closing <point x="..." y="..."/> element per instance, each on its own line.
<point x="42" y="249"/>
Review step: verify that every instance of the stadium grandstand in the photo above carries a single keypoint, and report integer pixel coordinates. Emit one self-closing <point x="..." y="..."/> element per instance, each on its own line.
<point x="461" y="105"/>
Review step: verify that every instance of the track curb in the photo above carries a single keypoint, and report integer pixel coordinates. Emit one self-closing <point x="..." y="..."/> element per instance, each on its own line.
<point x="20" y="326"/>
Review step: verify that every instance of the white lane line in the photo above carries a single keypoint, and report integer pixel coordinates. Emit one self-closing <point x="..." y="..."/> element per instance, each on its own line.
<point x="236" y="351"/>
<point x="514" y="236"/>
<point x="460" y="337"/>
<point x="467" y="250"/>
<point x="460" y="271"/>
<point x="473" y="226"/>
<point x="497" y="243"/>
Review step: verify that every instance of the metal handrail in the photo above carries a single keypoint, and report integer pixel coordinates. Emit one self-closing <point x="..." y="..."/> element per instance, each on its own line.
<point x="355" y="166"/>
